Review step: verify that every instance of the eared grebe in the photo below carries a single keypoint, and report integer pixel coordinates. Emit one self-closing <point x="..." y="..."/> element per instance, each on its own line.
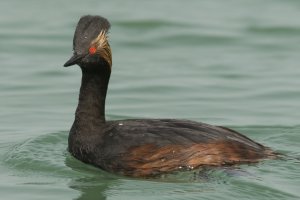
<point x="141" y="147"/>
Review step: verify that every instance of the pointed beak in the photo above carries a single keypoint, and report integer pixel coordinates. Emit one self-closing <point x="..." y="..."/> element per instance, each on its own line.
<point x="75" y="59"/>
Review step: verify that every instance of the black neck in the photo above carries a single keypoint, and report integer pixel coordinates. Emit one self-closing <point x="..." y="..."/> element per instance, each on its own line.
<point x="91" y="106"/>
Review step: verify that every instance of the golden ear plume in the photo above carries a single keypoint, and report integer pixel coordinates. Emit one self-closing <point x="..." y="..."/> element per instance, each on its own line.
<point x="102" y="46"/>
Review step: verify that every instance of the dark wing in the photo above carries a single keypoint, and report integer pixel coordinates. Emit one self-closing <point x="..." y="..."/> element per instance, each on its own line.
<point x="149" y="147"/>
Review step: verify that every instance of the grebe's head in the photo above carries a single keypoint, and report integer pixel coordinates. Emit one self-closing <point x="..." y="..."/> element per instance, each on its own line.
<point x="91" y="50"/>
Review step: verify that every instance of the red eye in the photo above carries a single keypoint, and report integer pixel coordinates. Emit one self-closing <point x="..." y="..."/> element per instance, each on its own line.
<point x="92" y="50"/>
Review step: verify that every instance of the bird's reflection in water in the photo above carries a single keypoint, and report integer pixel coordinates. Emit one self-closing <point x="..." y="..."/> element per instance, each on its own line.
<point x="90" y="188"/>
<point x="92" y="183"/>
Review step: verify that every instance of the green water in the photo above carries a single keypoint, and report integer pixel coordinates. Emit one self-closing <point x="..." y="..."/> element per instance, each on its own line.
<point x="233" y="63"/>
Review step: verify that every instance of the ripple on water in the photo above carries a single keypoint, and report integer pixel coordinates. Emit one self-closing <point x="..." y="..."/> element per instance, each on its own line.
<point x="148" y="24"/>
<point x="274" y="30"/>
<point x="46" y="153"/>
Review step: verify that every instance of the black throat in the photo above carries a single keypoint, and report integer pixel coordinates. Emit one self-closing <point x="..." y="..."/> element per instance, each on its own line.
<point x="91" y="106"/>
<point x="89" y="120"/>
